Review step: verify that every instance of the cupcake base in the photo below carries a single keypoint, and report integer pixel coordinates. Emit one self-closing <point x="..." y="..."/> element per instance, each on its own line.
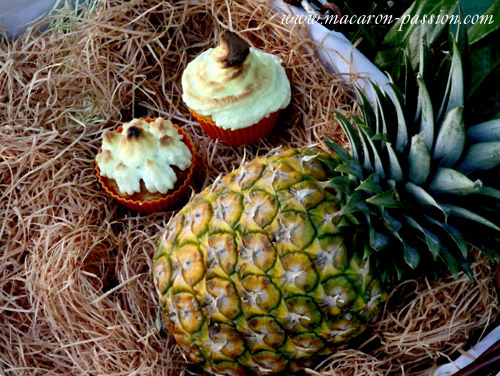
<point x="168" y="200"/>
<point x="248" y="135"/>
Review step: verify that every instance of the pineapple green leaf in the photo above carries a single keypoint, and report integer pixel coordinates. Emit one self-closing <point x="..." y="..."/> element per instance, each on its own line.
<point x="381" y="137"/>
<point x="449" y="260"/>
<point x="398" y="268"/>
<point x="405" y="79"/>
<point x="367" y="251"/>
<point x="367" y="162"/>
<point x="405" y="37"/>
<point x="381" y="112"/>
<point x="420" y="167"/>
<point x="330" y="163"/>
<point x="456" y="262"/>
<point x="423" y="64"/>
<point x="395" y="170"/>
<point x="454" y="94"/>
<point x="467" y="214"/>
<point x="490" y="246"/>
<point x="366" y="107"/>
<point x="339" y="150"/>
<point x="389" y="222"/>
<point x="480" y="30"/>
<point x="342" y="184"/>
<point x="450" y="141"/>
<point x="388" y="199"/>
<point x="483" y="96"/>
<point x="481" y="156"/>
<point x="348" y="220"/>
<point x="371" y="184"/>
<point x="421" y="196"/>
<point x="431" y="239"/>
<point x="450" y="181"/>
<point x="453" y="233"/>
<point x="490" y="192"/>
<point x="410" y="253"/>
<point x="426" y="113"/>
<point x="377" y="240"/>
<point x="464" y="265"/>
<point x="484" y="132"/>
<point x="419" y="159"/>
<point x="351" y="133"/>
<point x="351" y="167"/>
<point x="402" y="133"/>
<point x="459" y="33"/>
<point x="355" y="204"/>
<point x="377" y="161"/>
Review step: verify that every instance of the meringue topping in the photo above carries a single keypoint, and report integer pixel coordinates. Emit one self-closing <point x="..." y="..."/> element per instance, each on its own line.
<point x="235" y="92"/>
<point x="143" y="151"/>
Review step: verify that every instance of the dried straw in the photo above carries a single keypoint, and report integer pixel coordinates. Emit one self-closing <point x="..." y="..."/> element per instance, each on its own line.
<point x="76" y="293"/>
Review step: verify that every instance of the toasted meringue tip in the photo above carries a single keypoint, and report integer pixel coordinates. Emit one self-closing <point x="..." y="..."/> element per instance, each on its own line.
<point x="109" y="136"/>
<point x="134" y="132"/>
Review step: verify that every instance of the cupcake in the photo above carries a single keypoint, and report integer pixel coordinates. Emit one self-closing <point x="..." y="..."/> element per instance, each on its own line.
<point x="235" y="91"/>
<point x="147" y="164"/>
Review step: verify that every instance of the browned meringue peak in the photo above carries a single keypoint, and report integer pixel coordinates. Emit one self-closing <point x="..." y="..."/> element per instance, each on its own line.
<point x="234" y="50"/>
<point x="121" y="166"/>
<point x="134" y="132"/>
<point x="166" y="141"/>
<point x="160" y="126"/>
<point x="136" y="141"/>
<point x="151" y="163"/>
<point x="105" y="156"/>
<point x="110" y="137"/>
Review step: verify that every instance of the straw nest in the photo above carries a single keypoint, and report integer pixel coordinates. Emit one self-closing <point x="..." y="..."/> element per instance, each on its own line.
<point x="76" y="293"/>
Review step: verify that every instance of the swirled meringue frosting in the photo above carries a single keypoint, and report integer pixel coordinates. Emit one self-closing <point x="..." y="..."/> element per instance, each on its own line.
<point x="236" y="96"/>
<point x="143" y="151"/>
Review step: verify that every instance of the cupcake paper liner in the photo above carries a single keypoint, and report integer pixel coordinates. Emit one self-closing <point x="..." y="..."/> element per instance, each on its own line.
<point x="171" y="198"/>
<point x="248" y="135"/>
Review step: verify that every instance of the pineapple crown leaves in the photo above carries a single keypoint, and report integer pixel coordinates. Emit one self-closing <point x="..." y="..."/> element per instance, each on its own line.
<point x="416" y="177"/>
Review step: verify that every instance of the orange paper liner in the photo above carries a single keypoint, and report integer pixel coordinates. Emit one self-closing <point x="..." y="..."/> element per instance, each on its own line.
<point x="170" y="199"/>
<point x="243" y="136"/>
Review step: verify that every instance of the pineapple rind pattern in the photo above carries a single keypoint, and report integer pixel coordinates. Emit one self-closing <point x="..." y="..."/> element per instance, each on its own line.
<point x="253" y="275"/>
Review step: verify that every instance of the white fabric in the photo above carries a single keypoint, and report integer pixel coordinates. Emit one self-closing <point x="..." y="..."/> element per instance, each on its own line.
<point x="464" y="360"/>
<point x="17" y="15"/>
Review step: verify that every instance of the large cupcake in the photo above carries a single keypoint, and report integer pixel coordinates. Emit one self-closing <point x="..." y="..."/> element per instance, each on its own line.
<point x="235" y="91"/>
<point x="147" y="164"/>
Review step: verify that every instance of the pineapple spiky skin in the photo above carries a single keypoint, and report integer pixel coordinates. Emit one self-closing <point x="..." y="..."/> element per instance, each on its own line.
<point x="254" y="276"/>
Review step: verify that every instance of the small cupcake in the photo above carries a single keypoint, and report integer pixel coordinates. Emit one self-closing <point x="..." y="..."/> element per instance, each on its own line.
<point x="235" y="91"/>
<point x="147" y="165"/>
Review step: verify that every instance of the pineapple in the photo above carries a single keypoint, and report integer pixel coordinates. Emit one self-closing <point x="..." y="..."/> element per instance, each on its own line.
<point x="255" y="273"/>
<point x="293" y="253"/>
